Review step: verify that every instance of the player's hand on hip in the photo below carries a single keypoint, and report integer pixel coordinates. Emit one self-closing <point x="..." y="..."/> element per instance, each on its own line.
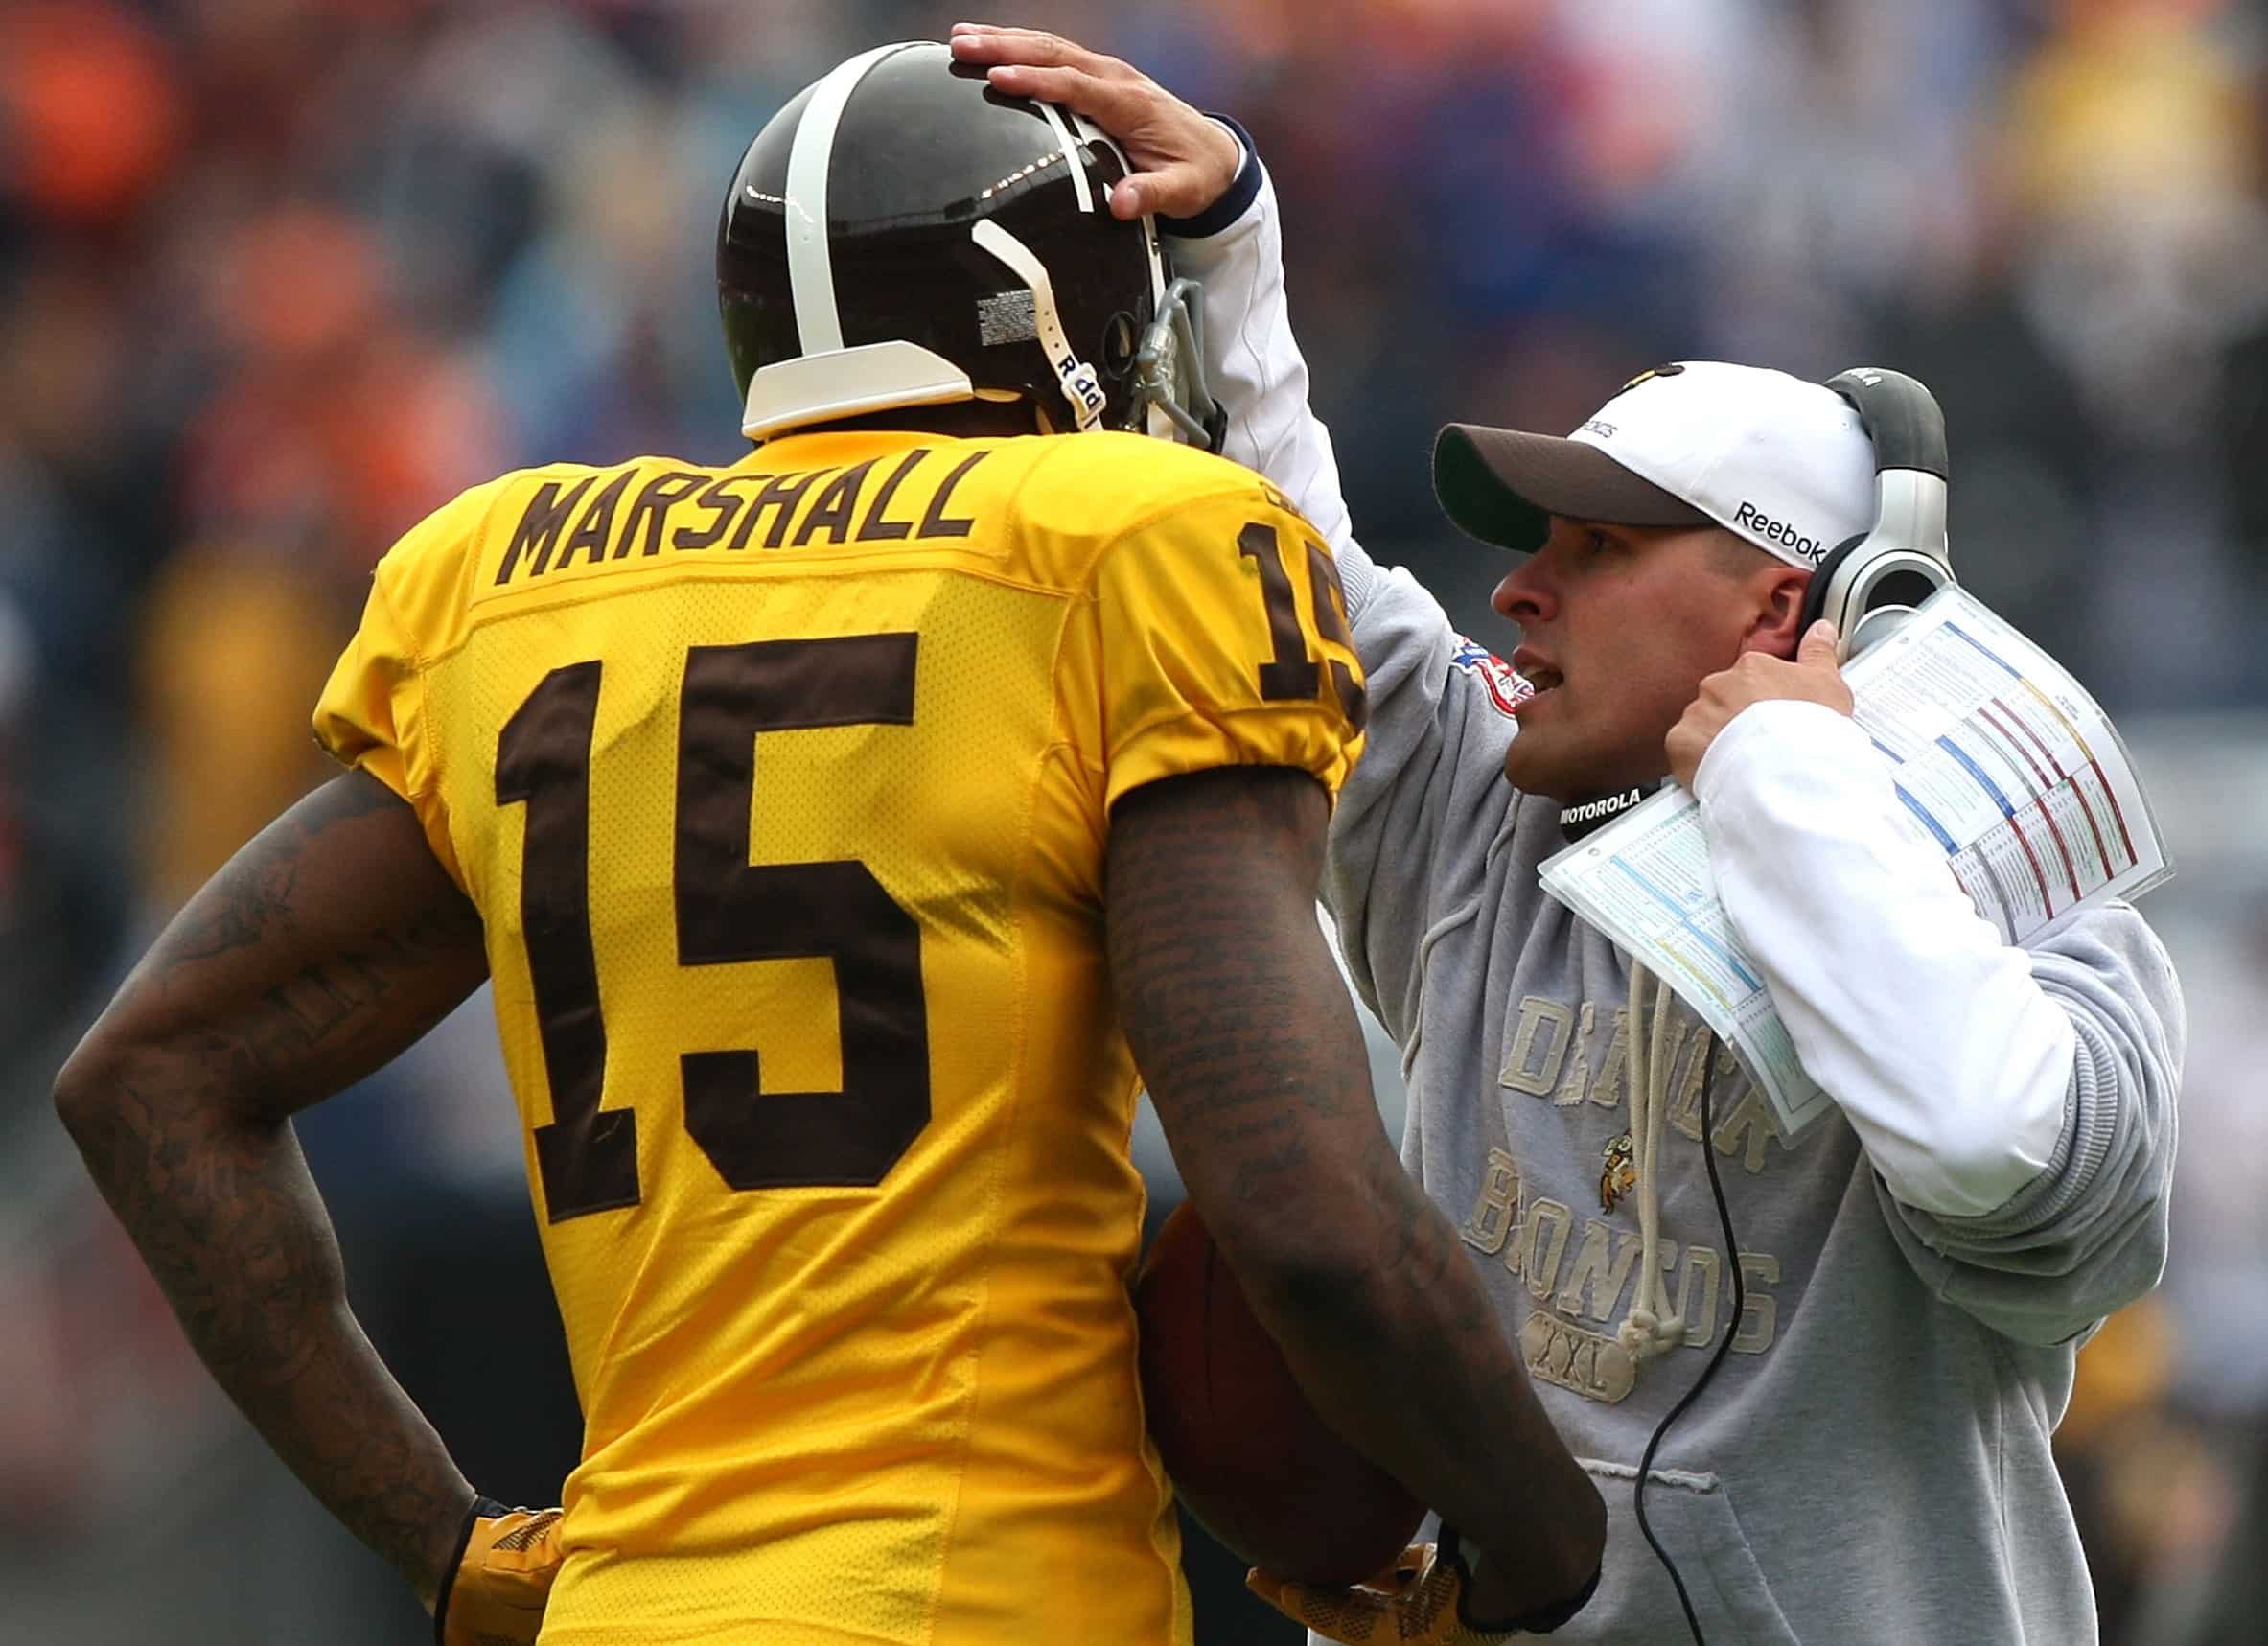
<point x="1813" y="677"/>
<point x="497" y="1592"/>
<point x="1183" y="162"/>
<point x="1418" y="1601"/>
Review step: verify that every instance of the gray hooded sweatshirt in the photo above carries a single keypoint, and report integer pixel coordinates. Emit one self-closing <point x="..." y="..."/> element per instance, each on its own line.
<point x="1871" y="1462"/>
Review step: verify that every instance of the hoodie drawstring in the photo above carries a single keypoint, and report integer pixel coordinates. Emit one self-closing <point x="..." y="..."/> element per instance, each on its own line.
<point x="1646" y="1333"/>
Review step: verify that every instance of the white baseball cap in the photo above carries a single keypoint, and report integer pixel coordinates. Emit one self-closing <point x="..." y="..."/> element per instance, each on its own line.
<point x="1778" y="460"/>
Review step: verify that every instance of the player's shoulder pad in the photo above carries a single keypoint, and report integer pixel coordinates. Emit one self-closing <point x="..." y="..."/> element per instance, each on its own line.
<point x="429" y="575"/>
<point x="1095" y="489"/>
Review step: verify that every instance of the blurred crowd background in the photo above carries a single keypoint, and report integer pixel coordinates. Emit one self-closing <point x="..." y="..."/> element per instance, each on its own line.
<point x="278" y="276"/>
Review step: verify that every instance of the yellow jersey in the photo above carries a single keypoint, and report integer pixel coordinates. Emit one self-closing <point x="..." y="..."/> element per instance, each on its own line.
<point x="784" y="791"/>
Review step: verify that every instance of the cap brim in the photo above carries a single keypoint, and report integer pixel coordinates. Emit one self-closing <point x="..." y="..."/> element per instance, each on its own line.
<point x="1501" y="486"/>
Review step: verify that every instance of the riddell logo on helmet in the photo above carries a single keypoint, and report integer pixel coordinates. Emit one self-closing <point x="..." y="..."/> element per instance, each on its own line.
<point x="1083" y="387"/>
<point x="1777" y="531"/>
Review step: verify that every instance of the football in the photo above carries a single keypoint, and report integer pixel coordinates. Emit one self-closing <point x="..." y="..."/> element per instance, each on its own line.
<point x="1247" y="1455"/>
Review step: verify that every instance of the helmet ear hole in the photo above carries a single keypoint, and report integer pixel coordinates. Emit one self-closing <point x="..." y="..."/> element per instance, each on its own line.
<point x="1116" y="352"/>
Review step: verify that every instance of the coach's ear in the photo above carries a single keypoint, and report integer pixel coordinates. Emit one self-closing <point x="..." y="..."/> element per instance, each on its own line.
<point x="1777" y="589"/>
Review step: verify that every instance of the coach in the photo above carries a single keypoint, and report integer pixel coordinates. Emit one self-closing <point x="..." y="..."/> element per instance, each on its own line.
<point x="1872" y="1461"/>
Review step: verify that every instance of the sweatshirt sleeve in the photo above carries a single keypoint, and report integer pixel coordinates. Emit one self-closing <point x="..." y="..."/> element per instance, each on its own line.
<point x="1439" y="706"/>
<point x="2018" y="1107"/>
<point x="1252" y="361"/>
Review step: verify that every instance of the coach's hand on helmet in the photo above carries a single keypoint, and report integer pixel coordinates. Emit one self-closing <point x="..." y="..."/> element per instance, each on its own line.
<point x="1182" y="161"/>
<point x="1813" y="677"/>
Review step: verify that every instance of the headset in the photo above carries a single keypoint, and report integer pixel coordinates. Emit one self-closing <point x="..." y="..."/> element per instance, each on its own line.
<point x="1868" y="585"/>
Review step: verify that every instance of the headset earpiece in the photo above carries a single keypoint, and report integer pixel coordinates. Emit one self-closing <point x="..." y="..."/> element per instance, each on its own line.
<point x="1869" y="584"/>
<point x="1814" y="593"/>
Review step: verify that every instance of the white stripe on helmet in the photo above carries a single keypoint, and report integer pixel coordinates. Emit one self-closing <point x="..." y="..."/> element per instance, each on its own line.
<point x="811" y="268"/>
<point x="1070" y="156"/>
<point x="1095" y="133"/>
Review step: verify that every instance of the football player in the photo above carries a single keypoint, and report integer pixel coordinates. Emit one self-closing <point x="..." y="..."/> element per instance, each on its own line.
<point x="830" y="825"/>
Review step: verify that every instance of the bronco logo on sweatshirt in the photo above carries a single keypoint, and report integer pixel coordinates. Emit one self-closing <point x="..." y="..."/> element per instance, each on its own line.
<point x="1580" y="1270"/>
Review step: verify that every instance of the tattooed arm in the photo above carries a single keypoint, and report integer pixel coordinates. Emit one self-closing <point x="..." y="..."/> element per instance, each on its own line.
<point x="329" y="944"/>
<point x="1248" y="1042"/>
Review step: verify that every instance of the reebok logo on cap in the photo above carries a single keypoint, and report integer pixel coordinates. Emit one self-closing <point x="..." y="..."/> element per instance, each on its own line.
<point x="1780" y="532"/>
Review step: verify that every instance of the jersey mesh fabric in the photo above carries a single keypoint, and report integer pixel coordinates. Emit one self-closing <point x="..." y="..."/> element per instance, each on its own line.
<point x="904" y="1411"/>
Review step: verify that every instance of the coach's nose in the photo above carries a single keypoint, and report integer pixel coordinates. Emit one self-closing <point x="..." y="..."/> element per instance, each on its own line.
<point x="1525" y="595"/>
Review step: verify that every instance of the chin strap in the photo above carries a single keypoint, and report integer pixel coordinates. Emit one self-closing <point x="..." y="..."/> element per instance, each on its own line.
<point x="1081" y="388"/>
<point x="1649" y="1329"/>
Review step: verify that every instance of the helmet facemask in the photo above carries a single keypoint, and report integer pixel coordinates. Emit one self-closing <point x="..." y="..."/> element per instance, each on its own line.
<point x="1170" y="397"/>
